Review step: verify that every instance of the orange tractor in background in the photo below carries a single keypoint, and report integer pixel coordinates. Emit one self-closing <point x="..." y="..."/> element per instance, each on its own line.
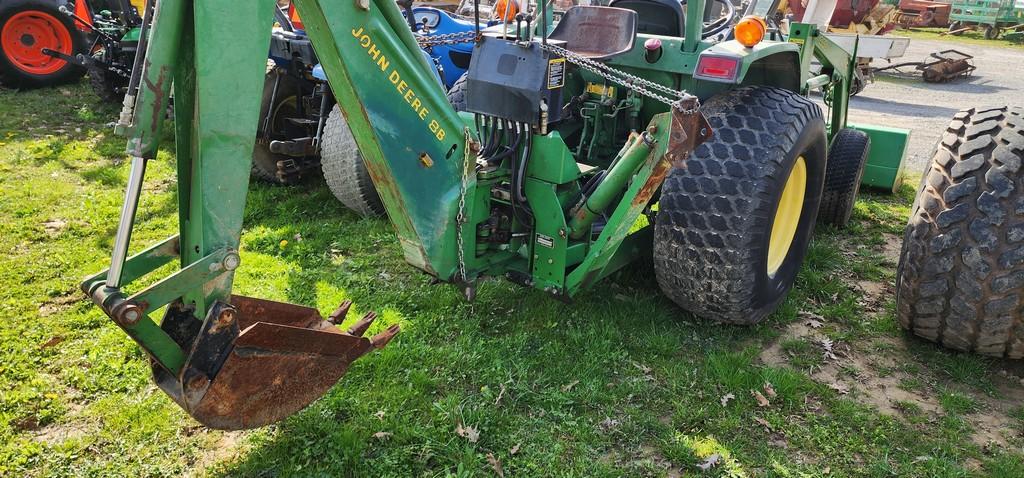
<point x="47" y="42"/>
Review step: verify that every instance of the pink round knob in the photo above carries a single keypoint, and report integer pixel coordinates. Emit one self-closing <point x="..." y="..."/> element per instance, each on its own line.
<point x="652" y="44"/>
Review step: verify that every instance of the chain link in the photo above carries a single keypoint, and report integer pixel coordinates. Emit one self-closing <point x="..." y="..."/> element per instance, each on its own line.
<point x="461" y="219"/>
<point x="445" y="39"/>
<point x="674" y="98"/>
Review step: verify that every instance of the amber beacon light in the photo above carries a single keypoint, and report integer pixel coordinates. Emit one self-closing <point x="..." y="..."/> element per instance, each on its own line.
<point x="750" y="30"/>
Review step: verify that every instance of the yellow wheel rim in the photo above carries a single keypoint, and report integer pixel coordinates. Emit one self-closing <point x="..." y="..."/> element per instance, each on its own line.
<point x="787" y="217"/>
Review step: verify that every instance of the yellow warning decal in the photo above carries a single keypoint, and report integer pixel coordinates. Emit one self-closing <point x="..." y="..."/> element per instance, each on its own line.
<point x="556" y="73"/>
<point x="601" y="90"/>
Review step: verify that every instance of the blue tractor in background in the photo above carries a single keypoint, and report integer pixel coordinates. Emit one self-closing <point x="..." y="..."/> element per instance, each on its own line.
<point x="301" y="129"/>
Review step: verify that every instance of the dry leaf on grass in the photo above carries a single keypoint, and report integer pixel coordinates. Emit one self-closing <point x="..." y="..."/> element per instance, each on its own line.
<point x="608" y="423"/>
<point x="514" y="450"/>
<point x="725" y="398"/>
<point x="764" y="423"/>
<point x="761" y="400"/>
<point x="566" y="388"/>
<point x="382" y="435"/>
<point x="769" y="390"/>
<point x="379" y="414"/>
<point x="52" y="342"/>
<point x="468" y="432"/>
<point x="709" y="462"/>
<point x="496" y="464"/>
<point x="838" y="387"/>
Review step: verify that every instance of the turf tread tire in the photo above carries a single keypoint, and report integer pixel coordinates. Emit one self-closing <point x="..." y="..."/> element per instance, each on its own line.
<point x="344" y="170"/>
<point x="846" y="159"/>
<point x="960" y="278"/>
<point x="715" y="215"/>
<point x="457" y="93"/>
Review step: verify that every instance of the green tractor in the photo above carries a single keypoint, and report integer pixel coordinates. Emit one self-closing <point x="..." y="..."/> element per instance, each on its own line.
<point x="645" y="130"/>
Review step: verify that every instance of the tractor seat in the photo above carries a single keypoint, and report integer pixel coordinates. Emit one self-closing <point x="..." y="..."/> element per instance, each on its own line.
<point x="598" y="33"/>
<point x="656" y="17"/>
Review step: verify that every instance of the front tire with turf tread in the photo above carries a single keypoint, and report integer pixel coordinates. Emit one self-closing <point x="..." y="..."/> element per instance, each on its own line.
<point x="960" y="278"/>
<point x="715" y="215"/>
<point x="344" y="170"/>
<point x="846" y="159"/>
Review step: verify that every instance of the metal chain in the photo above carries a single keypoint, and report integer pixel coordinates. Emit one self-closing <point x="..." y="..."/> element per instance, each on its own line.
<point x="461" y="219"/>
<point x="633" y="82"/>
<point x="445" y="39"/>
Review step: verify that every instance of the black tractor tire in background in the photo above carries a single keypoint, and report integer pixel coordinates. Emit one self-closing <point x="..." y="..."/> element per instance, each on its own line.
<point x="846" y="159"/>
<point x="715" y="216"/>
<point x="960" y="279"/>
<point x="954" y="27"/>
<point x="27" y="26"/>
<point x="457" y="93"/>
<point x="108" y="86"/>
<point x="264" y="162"/>
<point x="344" y="170"/>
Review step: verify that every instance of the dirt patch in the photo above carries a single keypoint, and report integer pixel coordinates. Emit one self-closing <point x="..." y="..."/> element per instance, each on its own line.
<point x="58" y="304"/>
<point x="891" y="248"/>
<point x="218" y="447"/>
<point x="874" y="378"/>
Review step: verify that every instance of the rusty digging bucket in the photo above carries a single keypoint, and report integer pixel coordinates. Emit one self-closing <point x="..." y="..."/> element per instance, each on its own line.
<point x="254" y="362"/>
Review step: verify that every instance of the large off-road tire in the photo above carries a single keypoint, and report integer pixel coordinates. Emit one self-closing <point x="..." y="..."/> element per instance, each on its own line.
<point x="846" y="159"/>
<point x="960" y="280"/>
<point x="760" y="176"/>
<point x="457" y="93"/>
<point x="285" y="105"/>
<point x="26" y="28"/>
<point x="344" y="169"/>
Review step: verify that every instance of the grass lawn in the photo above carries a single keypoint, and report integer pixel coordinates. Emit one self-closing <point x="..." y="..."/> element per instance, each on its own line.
<point x="621" y="383"/>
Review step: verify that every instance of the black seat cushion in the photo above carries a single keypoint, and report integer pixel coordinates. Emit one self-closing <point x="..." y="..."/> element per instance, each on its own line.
<point x="656" y="17"/>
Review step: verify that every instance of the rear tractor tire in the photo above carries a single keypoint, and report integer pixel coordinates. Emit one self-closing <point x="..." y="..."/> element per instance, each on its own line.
<point x="27" y="27"/>
<point x="846" y="159"/>
<point x="733" y="227"/>
<point x="960" y="279"/>
<point x="344" y="170"/>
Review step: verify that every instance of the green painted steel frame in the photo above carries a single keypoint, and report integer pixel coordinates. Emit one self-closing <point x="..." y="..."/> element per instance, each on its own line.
<point x="214" y="150"/>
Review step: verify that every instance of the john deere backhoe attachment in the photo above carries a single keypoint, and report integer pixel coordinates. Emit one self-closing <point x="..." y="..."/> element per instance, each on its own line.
<point x="231" y="362"/>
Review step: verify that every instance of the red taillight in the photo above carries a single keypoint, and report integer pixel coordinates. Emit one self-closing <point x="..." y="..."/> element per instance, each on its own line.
<point x="293" y="15"/>
<point x="717" y="68"/>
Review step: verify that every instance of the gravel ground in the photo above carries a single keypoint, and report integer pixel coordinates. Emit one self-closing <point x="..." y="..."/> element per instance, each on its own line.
<point x="906" y="101"/>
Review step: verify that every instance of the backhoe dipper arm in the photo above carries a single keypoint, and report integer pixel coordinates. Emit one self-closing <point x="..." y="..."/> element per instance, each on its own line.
<point x="412" y="141"/>
<point x="234" y="362"/>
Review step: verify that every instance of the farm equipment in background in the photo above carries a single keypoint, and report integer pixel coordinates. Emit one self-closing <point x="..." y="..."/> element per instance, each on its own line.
<point x="945" y="65"/>
<point x="118" y="29"/>
<point x="625" y="133"/>
<point x="35" y="36"/>
<point x="859" y="28"/>
<point x="923" y="13"/>
<point x="299" y="114"/>
<point x="992" y="17"/>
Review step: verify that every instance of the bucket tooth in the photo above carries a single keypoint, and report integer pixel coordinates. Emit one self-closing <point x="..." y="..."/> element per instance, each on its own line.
<point x="255" y="362"/>
<point x="359" y="328"/>
<point x="338" y="316"/>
